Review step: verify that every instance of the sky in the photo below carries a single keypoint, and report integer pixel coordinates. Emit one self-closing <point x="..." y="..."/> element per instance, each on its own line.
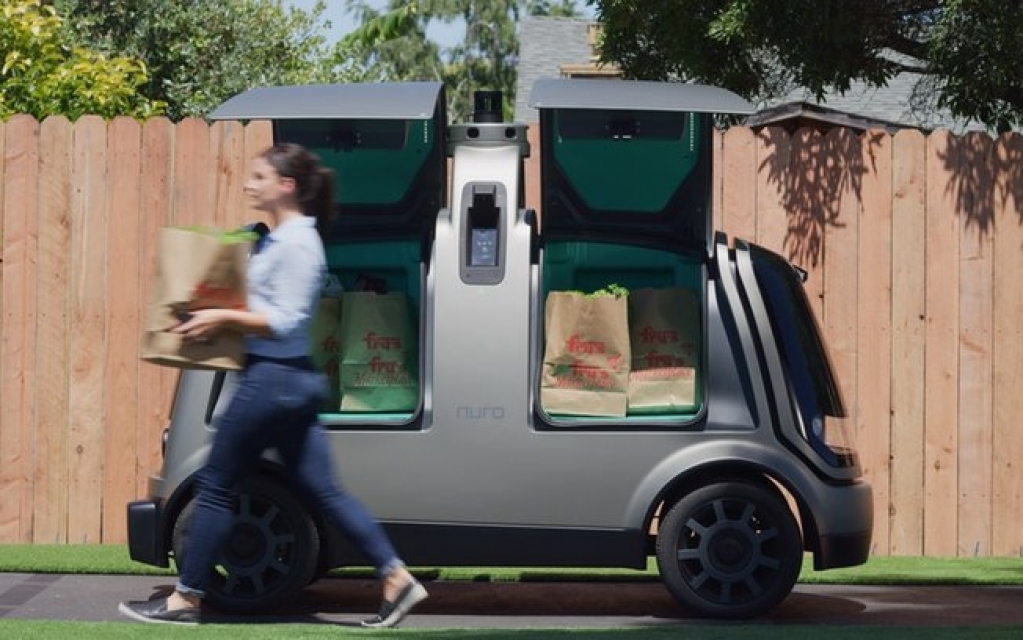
<point x="343" y="22"/>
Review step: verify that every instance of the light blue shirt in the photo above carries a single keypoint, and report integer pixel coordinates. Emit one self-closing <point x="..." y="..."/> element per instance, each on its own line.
<point x="285" y="279"/>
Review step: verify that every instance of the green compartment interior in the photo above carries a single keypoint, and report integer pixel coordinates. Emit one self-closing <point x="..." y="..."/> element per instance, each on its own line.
<point x="376" y="161"/>
<point x="397" y="263"/>
<point x="631" y="161"/>
<point x="588" y="266"/>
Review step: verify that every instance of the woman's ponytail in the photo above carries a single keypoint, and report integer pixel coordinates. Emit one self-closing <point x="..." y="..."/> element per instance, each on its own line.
<point x="314" y="183"/>
<point x="321" y="204"/>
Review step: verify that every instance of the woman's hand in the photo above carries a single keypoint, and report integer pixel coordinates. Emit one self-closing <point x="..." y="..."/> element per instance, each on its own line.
<point x="202" y="325"/>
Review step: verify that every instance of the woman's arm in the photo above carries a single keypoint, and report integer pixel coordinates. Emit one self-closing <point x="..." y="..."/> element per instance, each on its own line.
<point x="206" y="323"/>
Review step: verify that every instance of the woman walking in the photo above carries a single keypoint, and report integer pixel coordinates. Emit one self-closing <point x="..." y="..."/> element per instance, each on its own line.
<point x="278" y="394"/>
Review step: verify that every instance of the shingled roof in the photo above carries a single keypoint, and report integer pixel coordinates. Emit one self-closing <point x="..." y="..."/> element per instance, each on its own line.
<point x="546" y="44"/>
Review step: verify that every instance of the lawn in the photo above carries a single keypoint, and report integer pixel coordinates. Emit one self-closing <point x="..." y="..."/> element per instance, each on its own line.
<point x="113" y="559"/>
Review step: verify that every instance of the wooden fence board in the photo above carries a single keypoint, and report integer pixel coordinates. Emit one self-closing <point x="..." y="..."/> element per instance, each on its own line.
<point x="6" y="448"/>
<point x="716" y="207"/>
<point x="259" y="136"/>
<point x="53" y="356"/>
<point x="1007" y="310"/>
<point x="738" y="195"/>
<point x="842" y="155"/>
<point x="942" y="349"/>
<point x="771" y="147"/>
<point x="874" y="319"/>
<point x="804" y="202"/>
<point x="88" y="329"/>
<point x="191" y="186"/>
<point x="230" y="204"/>
<point x="155" y="382"/>
<point x="124" y="307"/>
<point x="17" y="350"/>
<point x="905" y="510"/>
<point x="975" y="376"/>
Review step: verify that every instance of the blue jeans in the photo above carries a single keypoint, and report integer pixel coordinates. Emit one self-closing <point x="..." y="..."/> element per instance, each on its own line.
<point x="275" y="405"/>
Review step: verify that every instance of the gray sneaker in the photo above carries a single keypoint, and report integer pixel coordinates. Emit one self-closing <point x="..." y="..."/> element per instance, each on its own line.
<point x="156" y="611"/>
<point x="393" y="612"/>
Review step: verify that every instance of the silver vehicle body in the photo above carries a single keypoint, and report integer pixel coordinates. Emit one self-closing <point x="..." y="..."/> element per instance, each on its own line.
<point x="479" y="473"/>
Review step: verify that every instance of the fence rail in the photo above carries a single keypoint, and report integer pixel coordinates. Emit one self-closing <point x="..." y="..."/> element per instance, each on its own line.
<point x="914" y="246"/>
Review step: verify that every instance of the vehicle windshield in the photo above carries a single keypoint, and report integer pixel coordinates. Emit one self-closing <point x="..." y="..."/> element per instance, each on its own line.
<point x="822" y="415"/>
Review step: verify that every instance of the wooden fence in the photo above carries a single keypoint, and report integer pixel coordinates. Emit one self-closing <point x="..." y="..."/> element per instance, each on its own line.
<point x="914" y="246"/>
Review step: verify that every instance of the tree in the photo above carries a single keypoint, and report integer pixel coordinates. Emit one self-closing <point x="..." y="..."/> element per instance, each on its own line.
<point x="393" y="44"/>
<point x="969" y="52"/>
<point x="44" y="74"/>
<point x="201" y="52"/>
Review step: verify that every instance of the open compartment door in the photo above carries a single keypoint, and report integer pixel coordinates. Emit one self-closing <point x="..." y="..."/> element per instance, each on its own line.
<point x="628" y="159"/>
<point x="385" y="141"/>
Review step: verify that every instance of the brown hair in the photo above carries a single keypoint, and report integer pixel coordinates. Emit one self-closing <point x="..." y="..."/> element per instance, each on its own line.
<point x="314" y="183"/>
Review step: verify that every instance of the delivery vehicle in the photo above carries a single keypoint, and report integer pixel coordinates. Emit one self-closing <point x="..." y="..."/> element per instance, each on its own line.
<point x="726" y="491"/>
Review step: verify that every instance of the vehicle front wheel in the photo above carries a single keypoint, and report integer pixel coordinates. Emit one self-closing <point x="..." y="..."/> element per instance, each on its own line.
<point x="730" y="550"/>
<point x="270" y="554"/>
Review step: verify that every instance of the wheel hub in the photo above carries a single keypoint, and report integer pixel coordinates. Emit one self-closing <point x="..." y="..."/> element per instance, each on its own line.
<point x="245" y="545"/>
<point x="731" y="552"/>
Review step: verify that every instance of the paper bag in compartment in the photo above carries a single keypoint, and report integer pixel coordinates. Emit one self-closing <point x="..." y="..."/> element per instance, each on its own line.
<point x="664" y="331"/>
<point x="378" y="353"/>
<point x="586" y="356"/>
<point x="326" y="347"/>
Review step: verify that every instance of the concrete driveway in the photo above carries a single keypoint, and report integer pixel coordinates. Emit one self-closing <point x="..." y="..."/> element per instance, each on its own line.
<point x="531" y="604"/>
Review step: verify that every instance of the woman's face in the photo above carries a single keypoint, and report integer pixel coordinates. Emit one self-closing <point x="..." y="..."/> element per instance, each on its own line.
<point x="266" y="188"/>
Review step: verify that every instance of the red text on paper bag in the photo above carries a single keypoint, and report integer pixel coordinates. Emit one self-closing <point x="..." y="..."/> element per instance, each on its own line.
<point x="383" y="370"/>
<point x="595" y="372"/>
<point x="210" y="296"/>
<point x="330" y="348"/>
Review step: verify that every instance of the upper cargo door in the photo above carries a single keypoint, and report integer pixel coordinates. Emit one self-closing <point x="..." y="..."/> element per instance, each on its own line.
<point x="628" y="160"/>
<point x="385" y="141"/>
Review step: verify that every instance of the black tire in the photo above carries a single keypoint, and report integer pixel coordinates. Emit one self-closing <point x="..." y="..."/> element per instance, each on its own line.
<point x="270" y="555"/>
<point x="730" y="550"/>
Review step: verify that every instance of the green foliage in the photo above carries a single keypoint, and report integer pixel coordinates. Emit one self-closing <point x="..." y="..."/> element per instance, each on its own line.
<point x="970" y="52"/>
<point x="976" y="50"/>
<point x="612" y="290"/>
<point x="226" y="236"/>
<point x="44" y="73"/>
<point x="201" y="52"/>
<point x="393" y="45"/>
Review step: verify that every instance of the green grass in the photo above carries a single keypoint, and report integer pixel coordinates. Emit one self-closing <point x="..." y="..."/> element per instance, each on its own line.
<point x="114" y="560"/>
<point x="129" y="631"/>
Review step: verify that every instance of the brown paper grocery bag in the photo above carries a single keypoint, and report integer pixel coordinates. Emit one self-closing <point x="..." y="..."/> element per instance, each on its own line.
<point x="326" y="347"/>
<point x="664" y="332"/>
<point x="379" y="362"/>
<point x="196" y="269"/>
<point x="586" y="356"/>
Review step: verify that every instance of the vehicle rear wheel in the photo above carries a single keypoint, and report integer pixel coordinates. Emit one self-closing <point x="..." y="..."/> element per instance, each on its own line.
<point x="730" y="550"/>
<point x="270" y="554"/>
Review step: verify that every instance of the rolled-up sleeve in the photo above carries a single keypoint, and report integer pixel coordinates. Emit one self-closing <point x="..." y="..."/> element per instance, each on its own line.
<point x="285" y="280"/>
<point x="295" y="287"/>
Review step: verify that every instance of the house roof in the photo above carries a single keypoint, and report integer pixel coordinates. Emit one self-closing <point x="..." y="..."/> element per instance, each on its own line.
<point x="549" y="45"/>
<point x="545" y="45"/>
